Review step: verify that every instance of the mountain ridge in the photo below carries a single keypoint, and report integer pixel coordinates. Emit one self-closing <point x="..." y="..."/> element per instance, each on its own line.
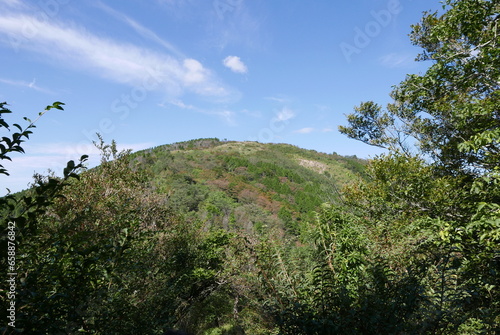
<point x="246" y="185"/>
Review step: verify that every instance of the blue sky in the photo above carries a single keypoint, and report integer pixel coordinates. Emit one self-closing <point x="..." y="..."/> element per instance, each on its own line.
<point x="146" y="73"/>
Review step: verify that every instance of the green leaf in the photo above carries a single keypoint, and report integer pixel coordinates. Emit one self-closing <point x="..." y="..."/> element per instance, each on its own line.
<point x="56" y="105"/>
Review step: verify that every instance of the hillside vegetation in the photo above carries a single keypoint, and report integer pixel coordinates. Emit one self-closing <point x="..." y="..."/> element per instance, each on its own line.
<point x="220" y="237"/>
<point x="245" y="186"/>
<point x="176" y="236"/>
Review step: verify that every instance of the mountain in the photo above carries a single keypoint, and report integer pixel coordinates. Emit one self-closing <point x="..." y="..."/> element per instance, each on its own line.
<point x="181" y="236"/>
<point x="246" y="185"/>
<point x="232" y="238"/>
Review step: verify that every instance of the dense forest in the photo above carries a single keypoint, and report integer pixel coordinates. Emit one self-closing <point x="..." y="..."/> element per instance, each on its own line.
<point x="223" y="237"/>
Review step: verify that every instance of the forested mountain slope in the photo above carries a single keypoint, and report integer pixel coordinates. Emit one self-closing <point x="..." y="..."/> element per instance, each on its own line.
<point x="176" y="236"/>
<point x="219" y="237"/>
<point x="246" y="185"/>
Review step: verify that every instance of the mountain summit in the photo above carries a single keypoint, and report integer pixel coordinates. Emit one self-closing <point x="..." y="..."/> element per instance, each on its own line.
<point x="245" y="185"/>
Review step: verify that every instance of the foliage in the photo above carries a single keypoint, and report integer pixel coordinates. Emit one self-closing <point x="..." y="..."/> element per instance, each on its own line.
<point x="9" y="145"/>
<point x="24" y="211"/>
<point x="413" y="249"/>
<point x="222" y="237"/>
<point x="271" y="176"/>
<point x="99" y="252"/>
<point x="452" y="109"/>
<point x="447" y="191"/>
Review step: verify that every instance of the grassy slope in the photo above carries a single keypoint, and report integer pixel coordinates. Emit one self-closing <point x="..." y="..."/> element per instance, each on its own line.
<point x="246" y="186"/>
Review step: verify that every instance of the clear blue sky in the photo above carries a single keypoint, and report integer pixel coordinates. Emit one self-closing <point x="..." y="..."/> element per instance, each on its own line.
<point x="146" y="73"/>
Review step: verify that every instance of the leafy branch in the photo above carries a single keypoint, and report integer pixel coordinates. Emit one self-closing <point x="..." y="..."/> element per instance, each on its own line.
<point x="13" y="143"/>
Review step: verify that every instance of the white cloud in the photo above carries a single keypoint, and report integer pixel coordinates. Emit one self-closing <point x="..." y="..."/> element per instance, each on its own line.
<point x="285" y="114"/>
<point x="235" y="64"/>
<point x="226" y="115"/>
<point x="117" y="61"/>
<point x="140" y="29"/>
<point x="12" y="3"/>
<point x="306" y="130"/>
<point x="180" y="104"/>
<point x="26" y="84"/>
<point x="195" y="73"/>
<point x="394" y="60"/>
<point x="278" y="99"/>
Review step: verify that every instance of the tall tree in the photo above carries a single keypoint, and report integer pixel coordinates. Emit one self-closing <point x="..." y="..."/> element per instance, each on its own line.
<point x="449" y="117"/>
<point x="452" y="110"/>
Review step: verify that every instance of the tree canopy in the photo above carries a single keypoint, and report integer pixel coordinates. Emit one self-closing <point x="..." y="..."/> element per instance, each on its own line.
<point x="451" y="112"/>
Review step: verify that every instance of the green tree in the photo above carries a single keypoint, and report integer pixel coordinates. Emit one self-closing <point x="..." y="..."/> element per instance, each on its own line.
<point x="14" y="143"/>
<point x="442" y="175"/>
<point x="99" y="252"/>
<point x="452" y="110"/>
<point x="21" y="213"/>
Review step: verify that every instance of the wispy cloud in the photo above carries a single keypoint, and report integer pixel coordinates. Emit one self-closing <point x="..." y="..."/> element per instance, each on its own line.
<point x="279" y="98"/>
<point x="180" y="104"/>
<point x="306" y="130"/>
<point x="12" y="3"/>
<point x="232" y="22"/>
<point x="235" y="64"/>
<point x="117" y="61"/>
<point x="226" y="115"/>
<point x="21" y="83"/>
<point x="285" y="114"/>
<point x="140" y="29"/>
<point x="394" y="60"/>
